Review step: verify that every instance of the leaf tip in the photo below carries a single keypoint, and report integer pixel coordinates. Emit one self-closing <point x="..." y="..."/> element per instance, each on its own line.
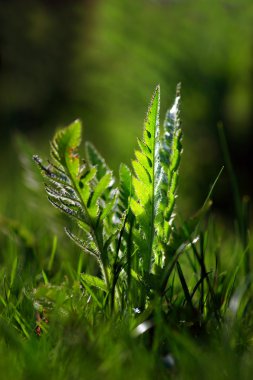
<point x="77" y="121"/>
<point x="178" y="89"/>
<point x="158" y="88"/>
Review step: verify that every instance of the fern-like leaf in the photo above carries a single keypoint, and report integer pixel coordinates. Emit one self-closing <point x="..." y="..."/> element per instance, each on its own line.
<point x="125" y="187"/>
<point x="82" y="191"/>
<point x="146" y="167"/>
<point x="170" y="154"/>
<point x="155" y="182"/>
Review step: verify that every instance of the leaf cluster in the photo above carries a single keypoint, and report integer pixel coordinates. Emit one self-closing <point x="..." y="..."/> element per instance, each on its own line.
<point x="127" y="227"/>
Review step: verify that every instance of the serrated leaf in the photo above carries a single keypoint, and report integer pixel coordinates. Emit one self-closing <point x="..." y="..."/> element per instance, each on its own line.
<point x="87" y="245"/>
<point x="142" y="191"/>
<point x="94" y="281"/>
<point x="125" y="187"/>
<point x="146" y="168"/>
<point x="136" y="208"/>
<point x="107" y="209"/>
<point x="79" y="190"/>
<point x="100" y="188"/>
<point x="142" y="173"/>
<point x="170" y="153"/>
<point x="96" y="160"/>
<point x="65" y="147"/>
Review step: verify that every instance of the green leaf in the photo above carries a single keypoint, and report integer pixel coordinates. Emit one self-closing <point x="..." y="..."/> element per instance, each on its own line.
<point x="155" y="182"/>
<point x="88" y="245"/>
<point x="64" y="148"/>
<point x="107" y="208"/>
<point x="103" y="184"/>
<point x="94" y="281"/>
<point x="94" y="158"/>
<point x="125" y="187"/>
<point x="170" y="153"/>
<point x="82" y="192"/>
<point x="101" y="187"/>
<point x="146" y="166"/>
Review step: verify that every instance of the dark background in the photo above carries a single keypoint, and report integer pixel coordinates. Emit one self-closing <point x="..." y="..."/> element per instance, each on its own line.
<point x="101" y="60"/>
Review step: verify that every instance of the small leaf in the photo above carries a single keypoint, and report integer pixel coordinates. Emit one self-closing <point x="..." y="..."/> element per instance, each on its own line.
<point x="95" y="159"/>
<point x="101" y="187"/>
<point x="65" y="146"/>
<point x="146" y="167"/>
<point x="94" y="281"/>
<point x="87" y="246"/>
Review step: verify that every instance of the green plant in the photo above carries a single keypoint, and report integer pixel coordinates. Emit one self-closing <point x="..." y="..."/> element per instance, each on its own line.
<point x="148" y="263"/>
<point x="128" y="228"/>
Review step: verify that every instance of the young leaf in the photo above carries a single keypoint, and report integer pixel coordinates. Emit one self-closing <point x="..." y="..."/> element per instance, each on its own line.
<point x="84" y="193"/>
<point x="64" y="149"/>
<point x="95" y="159"/>
<point x="146" y="167"/>
<point x="170" y="153"/>
<point x="94" y="281"/>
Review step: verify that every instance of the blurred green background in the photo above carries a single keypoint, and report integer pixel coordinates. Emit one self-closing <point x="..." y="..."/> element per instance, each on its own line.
<point x="101" y="60"/>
